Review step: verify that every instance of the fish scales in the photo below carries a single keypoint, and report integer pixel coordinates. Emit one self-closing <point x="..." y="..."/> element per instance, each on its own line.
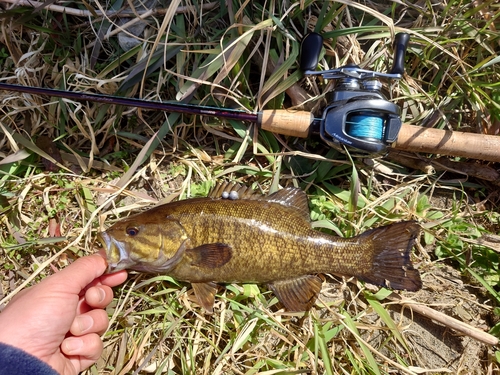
<point x="277" y="249"/>
<point x="257" y="240"/>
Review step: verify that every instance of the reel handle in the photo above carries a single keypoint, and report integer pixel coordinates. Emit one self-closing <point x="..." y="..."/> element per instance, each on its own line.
<point x="401" y="41"/>
<point x="310" y="49"/>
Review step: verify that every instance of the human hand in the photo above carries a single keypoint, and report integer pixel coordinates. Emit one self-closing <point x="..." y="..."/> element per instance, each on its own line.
<point x="59" y="319"/>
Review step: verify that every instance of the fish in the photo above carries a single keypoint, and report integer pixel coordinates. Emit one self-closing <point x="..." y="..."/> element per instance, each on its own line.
<point x="235" y="235"/>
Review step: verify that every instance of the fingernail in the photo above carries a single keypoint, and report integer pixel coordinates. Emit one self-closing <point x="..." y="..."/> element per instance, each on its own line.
<point x="102" y="295"/>
<point x="84" y="322"/>
<point x="72" y="344"/>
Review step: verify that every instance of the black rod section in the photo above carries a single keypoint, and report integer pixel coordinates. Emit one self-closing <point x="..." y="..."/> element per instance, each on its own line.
<point x="191" y="109"/>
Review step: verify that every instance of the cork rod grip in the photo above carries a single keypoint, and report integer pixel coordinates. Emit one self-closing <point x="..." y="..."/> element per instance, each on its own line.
<point x="444" y="142"/>
<point x="286" y="122"/>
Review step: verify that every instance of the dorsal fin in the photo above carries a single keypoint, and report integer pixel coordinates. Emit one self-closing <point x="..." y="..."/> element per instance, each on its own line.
<point x="290" y="197"/>
<point x="233" y="191"/>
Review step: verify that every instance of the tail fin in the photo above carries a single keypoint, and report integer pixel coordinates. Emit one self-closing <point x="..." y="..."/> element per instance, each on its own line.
<point x="391" y="265"/>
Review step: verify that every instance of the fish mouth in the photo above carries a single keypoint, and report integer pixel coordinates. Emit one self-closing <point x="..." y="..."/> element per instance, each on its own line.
<point x="116" y="254"/>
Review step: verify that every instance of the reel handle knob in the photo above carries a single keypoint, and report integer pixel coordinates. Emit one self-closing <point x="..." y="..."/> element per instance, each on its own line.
<point x="400" y="45"/>
<point x="309" y="51"/>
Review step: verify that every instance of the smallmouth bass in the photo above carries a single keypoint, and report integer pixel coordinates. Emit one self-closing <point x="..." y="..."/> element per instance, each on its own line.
<point x="237" y="236"/>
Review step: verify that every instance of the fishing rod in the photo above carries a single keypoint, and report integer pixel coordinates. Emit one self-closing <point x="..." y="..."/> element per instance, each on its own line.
<point x="358" y="116"/>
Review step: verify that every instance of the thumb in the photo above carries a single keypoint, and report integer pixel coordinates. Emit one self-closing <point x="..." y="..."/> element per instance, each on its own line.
<point x="81" y="273"/>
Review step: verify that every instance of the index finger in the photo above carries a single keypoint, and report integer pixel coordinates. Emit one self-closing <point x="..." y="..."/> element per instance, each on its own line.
<point x="114" y="279"/>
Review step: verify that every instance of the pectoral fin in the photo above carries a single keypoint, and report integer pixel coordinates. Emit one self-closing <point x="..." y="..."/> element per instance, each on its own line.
<point x="205" y="294"/>
<point x="210" y="255"/>
<point x="297" y="294"/>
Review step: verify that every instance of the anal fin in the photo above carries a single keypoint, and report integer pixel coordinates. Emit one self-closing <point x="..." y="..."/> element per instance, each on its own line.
<point x="298" y="294"/>
<point x="205" y="294"/>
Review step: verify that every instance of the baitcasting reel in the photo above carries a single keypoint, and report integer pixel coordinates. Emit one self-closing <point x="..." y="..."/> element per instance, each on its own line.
<point x="359" y="115"/>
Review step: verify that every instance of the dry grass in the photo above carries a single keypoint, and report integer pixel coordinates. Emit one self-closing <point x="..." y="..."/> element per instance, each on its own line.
<point x="244" y="55"/>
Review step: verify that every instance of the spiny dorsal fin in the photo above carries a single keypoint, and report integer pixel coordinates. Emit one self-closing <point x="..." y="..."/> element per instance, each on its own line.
<point x="297" y="294"/>
<point x="291" y="197"/>
<point x="205" y="294"/>
<point x="233" y="191"/>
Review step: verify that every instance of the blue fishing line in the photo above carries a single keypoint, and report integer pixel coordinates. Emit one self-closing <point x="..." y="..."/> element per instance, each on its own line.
<point x="365" y="126"/>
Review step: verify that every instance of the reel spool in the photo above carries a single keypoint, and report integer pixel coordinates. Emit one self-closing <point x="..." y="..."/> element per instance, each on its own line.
<point x="359" y="116"/>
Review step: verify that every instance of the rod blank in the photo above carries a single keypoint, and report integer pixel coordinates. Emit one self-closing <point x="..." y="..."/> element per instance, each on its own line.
<point x="191" y="109"/>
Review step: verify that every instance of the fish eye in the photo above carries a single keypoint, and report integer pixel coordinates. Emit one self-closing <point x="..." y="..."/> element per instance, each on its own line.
<point x="132" y="231"/>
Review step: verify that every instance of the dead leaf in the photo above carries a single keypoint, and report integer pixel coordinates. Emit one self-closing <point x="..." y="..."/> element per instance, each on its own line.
<point x="46" y="144"/>
<point x="54" y="228"/>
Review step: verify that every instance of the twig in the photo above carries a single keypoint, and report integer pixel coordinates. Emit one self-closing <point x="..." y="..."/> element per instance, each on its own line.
<point x="448" y="321"/>
<point x="430" y="165"/>
<point x="123" y="27"/>
<point x="120" y="13"/>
